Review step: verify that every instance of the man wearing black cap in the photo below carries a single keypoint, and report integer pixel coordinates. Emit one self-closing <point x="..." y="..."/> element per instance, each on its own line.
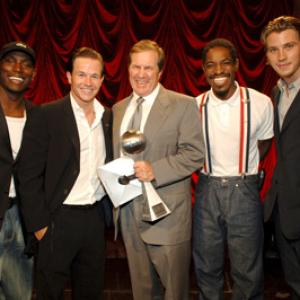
<point x="16" y="72"/>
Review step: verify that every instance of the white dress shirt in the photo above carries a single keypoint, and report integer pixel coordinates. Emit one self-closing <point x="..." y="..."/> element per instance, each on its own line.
<point x="87" y="188"/>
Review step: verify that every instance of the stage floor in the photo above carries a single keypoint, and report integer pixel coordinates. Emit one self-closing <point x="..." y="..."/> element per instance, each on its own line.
<point x="117" y="280"/>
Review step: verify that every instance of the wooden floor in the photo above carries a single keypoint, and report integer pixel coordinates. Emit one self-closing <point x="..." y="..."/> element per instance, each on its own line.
<point x="117" y="280"/>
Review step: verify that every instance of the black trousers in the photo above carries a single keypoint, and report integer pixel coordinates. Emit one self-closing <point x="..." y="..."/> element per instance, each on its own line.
<point x="289" y="251"/>
<point x="72" y="248"/>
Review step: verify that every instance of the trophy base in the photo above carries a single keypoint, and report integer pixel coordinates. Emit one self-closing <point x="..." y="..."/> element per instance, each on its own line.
<point x="155" y="212"/>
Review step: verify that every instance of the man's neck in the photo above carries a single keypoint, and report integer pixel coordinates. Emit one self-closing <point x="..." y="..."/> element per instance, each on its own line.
<point x="13" y="105"/>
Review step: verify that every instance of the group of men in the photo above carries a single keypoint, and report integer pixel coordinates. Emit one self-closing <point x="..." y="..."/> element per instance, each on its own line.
<point x="52" y="198"/>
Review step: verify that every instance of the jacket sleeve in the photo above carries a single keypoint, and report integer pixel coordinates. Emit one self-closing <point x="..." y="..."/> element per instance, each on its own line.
<point x="31" y="171"/>
<point x="189" y="153"/>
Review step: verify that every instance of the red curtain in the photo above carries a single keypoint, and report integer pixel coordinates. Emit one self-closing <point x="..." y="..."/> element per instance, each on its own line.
<point x="57" y="27"/>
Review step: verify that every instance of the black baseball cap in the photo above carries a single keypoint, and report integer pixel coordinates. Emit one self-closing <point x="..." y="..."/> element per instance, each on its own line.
<point x="17" y="46"/>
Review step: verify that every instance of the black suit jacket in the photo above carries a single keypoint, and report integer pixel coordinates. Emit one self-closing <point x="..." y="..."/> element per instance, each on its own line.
<point x="8" y="165"/>
<point x="50" y="162"/>
<point x="285" y="186"/>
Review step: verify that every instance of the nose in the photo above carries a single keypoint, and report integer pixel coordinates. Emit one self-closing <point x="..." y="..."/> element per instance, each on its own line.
<point x="17" y="67"/>
<point x="218" y="68"/>
<point x="88" y="80"/>
<point x="141" y="72"/>
<point x="281" y="54"/>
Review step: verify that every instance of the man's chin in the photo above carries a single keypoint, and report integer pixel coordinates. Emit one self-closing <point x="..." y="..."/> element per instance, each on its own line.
<point x="221" y="94"/>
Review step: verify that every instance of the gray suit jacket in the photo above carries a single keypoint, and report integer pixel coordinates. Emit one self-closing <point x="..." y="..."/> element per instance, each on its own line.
<point x="175" y="149"/>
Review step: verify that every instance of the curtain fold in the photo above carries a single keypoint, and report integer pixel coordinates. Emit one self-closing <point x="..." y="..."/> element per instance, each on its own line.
<point x="182" y="27"/>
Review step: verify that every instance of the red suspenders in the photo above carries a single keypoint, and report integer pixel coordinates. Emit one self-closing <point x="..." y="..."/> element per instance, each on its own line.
<point x="245" y="128"/>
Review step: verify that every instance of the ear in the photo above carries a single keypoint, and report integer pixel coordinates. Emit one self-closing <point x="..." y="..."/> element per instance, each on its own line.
<point x="159" y="74"/>
<point x="69" y="77"/>
<point x="236" y="67"/>
<point x="33" y="75"/>
<point x="101" y="79"/>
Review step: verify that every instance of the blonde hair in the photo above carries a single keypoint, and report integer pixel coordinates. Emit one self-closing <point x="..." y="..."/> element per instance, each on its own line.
<point x="280" y="24"/>
<point x="149" y="45"/>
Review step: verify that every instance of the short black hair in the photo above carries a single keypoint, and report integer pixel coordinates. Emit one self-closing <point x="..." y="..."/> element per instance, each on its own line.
<point x="220" y="42"/>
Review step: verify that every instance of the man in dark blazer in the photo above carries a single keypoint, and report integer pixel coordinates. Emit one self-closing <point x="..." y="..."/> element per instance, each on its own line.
<point x="17" y="62"/>
<point x="281" y="38"/>
<point x="159" y="252"/>
<point x="62" y="196"/>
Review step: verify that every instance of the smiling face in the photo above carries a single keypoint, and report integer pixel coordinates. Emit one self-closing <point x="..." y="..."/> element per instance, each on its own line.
<point x="283" y="54"/>
<point x="144" y="73"/>
<point x="16" y="72"/>
<point x="219" y="69"/>
<point x="85" y="80"/>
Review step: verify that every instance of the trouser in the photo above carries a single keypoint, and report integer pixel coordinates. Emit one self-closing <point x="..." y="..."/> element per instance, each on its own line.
<point x="228" y="211"/>
<point x="15" y="266"/>
<point x="289" y="251"/>
<point x="157" y="271"/>
<point x="73" y="246"/>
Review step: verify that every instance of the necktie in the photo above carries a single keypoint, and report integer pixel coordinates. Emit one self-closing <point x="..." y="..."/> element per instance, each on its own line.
<point x="135" y="122"/>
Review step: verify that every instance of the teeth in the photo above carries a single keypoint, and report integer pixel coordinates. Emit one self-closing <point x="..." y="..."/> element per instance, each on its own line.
<point x="140" y="81"/>
<point x="220" y="80"/>
<point x="16" y="78"/>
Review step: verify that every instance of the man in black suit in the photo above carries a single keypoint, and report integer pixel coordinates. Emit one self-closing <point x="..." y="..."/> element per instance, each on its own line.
<point x="281" y="38"/>
<point x="17" y="62"/>
<point x="62" y="196"/>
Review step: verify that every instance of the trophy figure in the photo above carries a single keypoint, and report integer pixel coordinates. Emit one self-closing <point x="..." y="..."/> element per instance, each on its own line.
<point x="133" y="143"/>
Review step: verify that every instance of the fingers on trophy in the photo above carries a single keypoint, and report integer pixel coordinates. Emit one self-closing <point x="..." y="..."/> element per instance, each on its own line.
<point x="133" y="143"/>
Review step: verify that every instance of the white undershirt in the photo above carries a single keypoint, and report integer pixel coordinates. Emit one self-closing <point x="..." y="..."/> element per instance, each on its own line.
<point x="15" y="129"/>
<point x="87" y="188"/>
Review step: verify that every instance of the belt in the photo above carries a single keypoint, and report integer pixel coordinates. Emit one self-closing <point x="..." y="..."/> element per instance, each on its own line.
<point x="12" y="201"/>
<point x="229" y="179"/>
<point x="80" y="207"/>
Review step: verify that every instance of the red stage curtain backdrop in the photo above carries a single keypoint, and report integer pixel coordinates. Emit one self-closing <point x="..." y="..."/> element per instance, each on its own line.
<point x="55" y="28"/>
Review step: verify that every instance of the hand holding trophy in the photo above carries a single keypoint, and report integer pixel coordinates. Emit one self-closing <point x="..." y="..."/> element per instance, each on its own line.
<point x="133" y="143"/>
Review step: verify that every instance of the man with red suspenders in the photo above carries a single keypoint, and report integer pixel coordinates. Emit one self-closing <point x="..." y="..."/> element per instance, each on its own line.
<point x="237" y="126"/>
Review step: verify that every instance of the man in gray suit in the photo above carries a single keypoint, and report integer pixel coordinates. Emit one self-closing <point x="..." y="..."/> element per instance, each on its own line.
<point x="159" y="252"/>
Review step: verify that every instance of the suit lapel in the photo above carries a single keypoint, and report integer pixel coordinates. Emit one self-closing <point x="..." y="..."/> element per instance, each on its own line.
<point x="70" y="124"/>
<point x="106" y="125"/>
<point x="118" y="117"/>
<point x="4" y="138"/>
<point x="157" y="115"/>
<point x="293" y="112"/>
<point x="276" y="112"/>
<point x="28" y="107"/>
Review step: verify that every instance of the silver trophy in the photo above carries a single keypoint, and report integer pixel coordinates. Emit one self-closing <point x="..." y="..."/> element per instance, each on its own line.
<point x="133" y="143"/>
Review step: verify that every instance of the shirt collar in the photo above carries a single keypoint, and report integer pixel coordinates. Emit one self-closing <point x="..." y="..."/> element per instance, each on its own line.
<point x="149" y="98"/>
<point x="78" y="111"/>
<point x="232" y="101"/>
<point x="282" y="85"/>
